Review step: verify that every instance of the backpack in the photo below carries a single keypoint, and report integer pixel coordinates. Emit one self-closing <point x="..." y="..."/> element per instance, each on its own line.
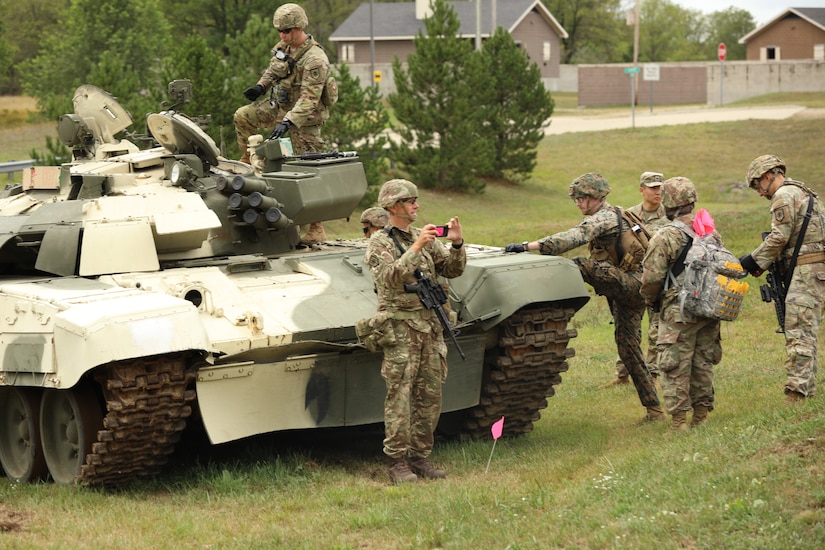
<point x="632" y="242"/>
<point x="709" y="288"/>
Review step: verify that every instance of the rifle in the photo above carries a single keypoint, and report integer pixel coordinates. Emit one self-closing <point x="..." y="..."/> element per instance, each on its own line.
<point x="319" y="156"/>
<point x="775" y="292"/>
<point x="433" y="297"/>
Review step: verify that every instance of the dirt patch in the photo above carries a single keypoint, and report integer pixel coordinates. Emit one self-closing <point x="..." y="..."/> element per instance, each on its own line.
<point x="18" y="103"/>
<point x="811" y="112"/>
<point x="11" y="520"/>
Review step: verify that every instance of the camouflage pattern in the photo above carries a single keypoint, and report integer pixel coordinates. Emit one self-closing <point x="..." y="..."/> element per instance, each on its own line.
<point x="760" y="165"/>
<point x="590" y="184"/>
<point x="678" y="191"/>
<point x="653" y="221"/>
<point x="394" y="190"/>
<point x="415" y="366"/>
<point x="803" y="303"/>
<point x="621" y="289"/>
<point x="651" y="179"/>
<point x="688" y="346"/>
<point x="290" y="16"/>
<point x="294" y="95"/>
<point x="376" y="216"/>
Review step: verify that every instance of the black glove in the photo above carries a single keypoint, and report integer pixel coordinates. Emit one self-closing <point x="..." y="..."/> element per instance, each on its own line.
<point x="515" y="247"/>
<point x="280" y="130"/>
<point x="750" y="264"/>
<point x="254" y="92"/>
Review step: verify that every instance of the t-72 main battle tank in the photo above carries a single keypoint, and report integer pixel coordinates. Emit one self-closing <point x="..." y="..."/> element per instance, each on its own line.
<point x="141" y="285"/>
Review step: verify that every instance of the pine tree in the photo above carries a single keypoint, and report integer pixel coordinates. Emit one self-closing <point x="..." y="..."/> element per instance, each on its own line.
<point x="443" y="144"/>
<point x="517" y="114"/>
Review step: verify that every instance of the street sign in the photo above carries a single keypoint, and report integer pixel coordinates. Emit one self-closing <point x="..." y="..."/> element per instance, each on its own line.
<point x="376" y="76"/>
<point x="722" y="51"/>
<point x="631" y="70"/>
<point x="651" y="72"/>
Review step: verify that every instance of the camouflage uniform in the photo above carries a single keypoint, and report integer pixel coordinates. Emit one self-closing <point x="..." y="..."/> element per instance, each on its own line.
<point x="600" y="230"/>
<point x="803" y="302"/>
<point x="295" y="94"/>
<point x="653" y="221"/>
<point x="415" y="364"/>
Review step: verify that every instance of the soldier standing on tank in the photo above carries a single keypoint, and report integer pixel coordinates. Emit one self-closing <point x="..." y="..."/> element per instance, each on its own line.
<point x="652" y="214"/>
<point x="373" y="219"/>
<point x="415" y="363"/>
<point x="803" y="301"/>
<point x="600" y="229"/>
<point x="689" y="346"/>
<point x="295" y="79"/>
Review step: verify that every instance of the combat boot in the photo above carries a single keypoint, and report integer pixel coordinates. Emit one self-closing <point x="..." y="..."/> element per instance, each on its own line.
<point x="400" y="471"/>
<point x="315" y="234"/>
<point x="678" y="422"/>
<point x="654" y="414"/>
<point x="424" y="468"/>
<point x="618" y="381"/>
<point x="700" y="415"/>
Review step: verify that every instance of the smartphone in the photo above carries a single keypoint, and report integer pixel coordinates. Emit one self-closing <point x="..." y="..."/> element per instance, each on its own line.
<point x="441" y="230"/>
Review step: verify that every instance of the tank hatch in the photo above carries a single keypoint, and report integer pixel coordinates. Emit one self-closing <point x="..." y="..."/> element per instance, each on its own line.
<point x="101" y="112"/>
<point x="179" y="135"/>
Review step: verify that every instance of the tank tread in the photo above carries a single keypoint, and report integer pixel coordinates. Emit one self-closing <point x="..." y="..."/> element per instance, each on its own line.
<point x="147" y="403"/>
<point x="531" y="354"/>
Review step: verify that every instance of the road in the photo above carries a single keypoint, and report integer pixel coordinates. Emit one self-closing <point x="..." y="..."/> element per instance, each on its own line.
<point x="563" y="124"/>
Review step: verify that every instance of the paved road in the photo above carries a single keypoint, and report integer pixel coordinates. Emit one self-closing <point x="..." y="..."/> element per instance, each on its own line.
<point x="644" y="118"/>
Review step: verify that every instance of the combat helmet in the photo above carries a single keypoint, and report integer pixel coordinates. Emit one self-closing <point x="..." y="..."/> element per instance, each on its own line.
<point x="290" y="16"/>
<point x="591" y="184"/>
<point x="376" y="216"/>
<point x="395" y="190"/>
<point x="678" y="191"/>
<point x="760" y="165"/>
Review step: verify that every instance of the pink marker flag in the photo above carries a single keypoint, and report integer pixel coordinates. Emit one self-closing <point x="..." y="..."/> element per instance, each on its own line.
<point x="496" y="429"/>
<point x="703" y="223"/>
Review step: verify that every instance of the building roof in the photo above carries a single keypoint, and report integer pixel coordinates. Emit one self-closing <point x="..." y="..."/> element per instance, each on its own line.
<point x="814" y="16"/>
<point x="396" y="21"/>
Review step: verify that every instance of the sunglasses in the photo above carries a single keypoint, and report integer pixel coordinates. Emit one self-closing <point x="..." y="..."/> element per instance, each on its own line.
<point x="286" y="31"/>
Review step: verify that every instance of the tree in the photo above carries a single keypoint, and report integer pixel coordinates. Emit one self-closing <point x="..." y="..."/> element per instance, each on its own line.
<point x="596" y="30"/>
<point x="728" y="26"/>
<point x="669" y="32"/>
<point x="443" y="145"/>
<point x="133" y="36"/>
<point x="358" y="122"/>
<point x="516" y="115"/>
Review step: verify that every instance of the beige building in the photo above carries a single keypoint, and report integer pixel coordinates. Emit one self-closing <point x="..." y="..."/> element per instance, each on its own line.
<point x="794" y="34"/>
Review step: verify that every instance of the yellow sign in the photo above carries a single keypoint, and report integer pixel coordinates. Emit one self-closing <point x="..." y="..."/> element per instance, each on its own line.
<point x="376" y="76"/>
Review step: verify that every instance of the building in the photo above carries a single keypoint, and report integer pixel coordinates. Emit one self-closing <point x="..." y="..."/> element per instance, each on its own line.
<point x="794" y="34"/>
<point x="395" y="25"/>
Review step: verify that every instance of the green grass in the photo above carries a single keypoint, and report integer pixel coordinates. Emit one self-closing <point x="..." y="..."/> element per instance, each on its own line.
<point x="586" y="477"/>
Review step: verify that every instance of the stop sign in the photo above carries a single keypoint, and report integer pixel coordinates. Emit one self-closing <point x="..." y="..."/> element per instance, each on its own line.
<point x="722" y="51"/>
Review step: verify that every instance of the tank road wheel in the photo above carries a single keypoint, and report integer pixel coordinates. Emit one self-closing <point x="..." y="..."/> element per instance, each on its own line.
<point x="20" y="452"/>
<point x="520" y="373"/>
<point x="69" y="422"/>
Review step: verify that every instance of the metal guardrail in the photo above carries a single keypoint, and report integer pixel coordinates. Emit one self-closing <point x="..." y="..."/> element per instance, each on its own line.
<point x="15" y="166"/>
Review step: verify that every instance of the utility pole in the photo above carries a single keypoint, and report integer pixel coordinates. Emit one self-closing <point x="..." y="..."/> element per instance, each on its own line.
<point x="637" y="16"/>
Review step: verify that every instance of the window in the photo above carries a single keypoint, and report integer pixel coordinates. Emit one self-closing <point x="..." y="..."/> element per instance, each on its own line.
<point x="769" y="53"/>
<point x="546" y="51"/>
<point x="348" y="53"/>
<point x="819" y="52"/>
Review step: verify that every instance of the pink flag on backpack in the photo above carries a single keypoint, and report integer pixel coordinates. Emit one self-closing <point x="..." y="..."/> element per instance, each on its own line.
<point x="703" y="223"/>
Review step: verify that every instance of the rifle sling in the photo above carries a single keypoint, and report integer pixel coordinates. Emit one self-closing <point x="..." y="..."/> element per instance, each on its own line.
<point x="799" y="239"/>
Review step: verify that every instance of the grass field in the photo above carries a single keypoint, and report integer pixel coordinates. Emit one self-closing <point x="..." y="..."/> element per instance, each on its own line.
<point x="586" y="477"/>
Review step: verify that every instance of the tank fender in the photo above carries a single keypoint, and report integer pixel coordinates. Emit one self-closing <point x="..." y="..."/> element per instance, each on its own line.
<point x="496" y="285"/>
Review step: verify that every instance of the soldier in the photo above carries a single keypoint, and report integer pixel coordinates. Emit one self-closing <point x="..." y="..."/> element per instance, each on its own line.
<point x="295" y="78"/>
<point x="373" y="219"/>
<point x="803" y="301"/>
<point x="652" y="213"/>
<point x="415" y="359"/>
<point x="600" y="228"/>
<point x="689" y="346"/>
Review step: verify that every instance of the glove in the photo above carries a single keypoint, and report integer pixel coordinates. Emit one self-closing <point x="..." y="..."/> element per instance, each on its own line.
<point x="750" y="264"/>
<point x="280" y="130"/>
<point x="254" y="92"/>
<point x="515" y="247"/>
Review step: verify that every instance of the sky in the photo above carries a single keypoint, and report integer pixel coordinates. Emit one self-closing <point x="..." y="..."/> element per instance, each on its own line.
<point x="762" y="10"/>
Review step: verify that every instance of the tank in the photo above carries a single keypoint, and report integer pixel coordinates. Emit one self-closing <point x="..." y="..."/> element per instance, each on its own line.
<point x="144" y="289"/>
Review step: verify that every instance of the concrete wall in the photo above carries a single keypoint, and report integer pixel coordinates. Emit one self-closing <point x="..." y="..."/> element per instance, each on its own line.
<point x="744" y="79"/>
